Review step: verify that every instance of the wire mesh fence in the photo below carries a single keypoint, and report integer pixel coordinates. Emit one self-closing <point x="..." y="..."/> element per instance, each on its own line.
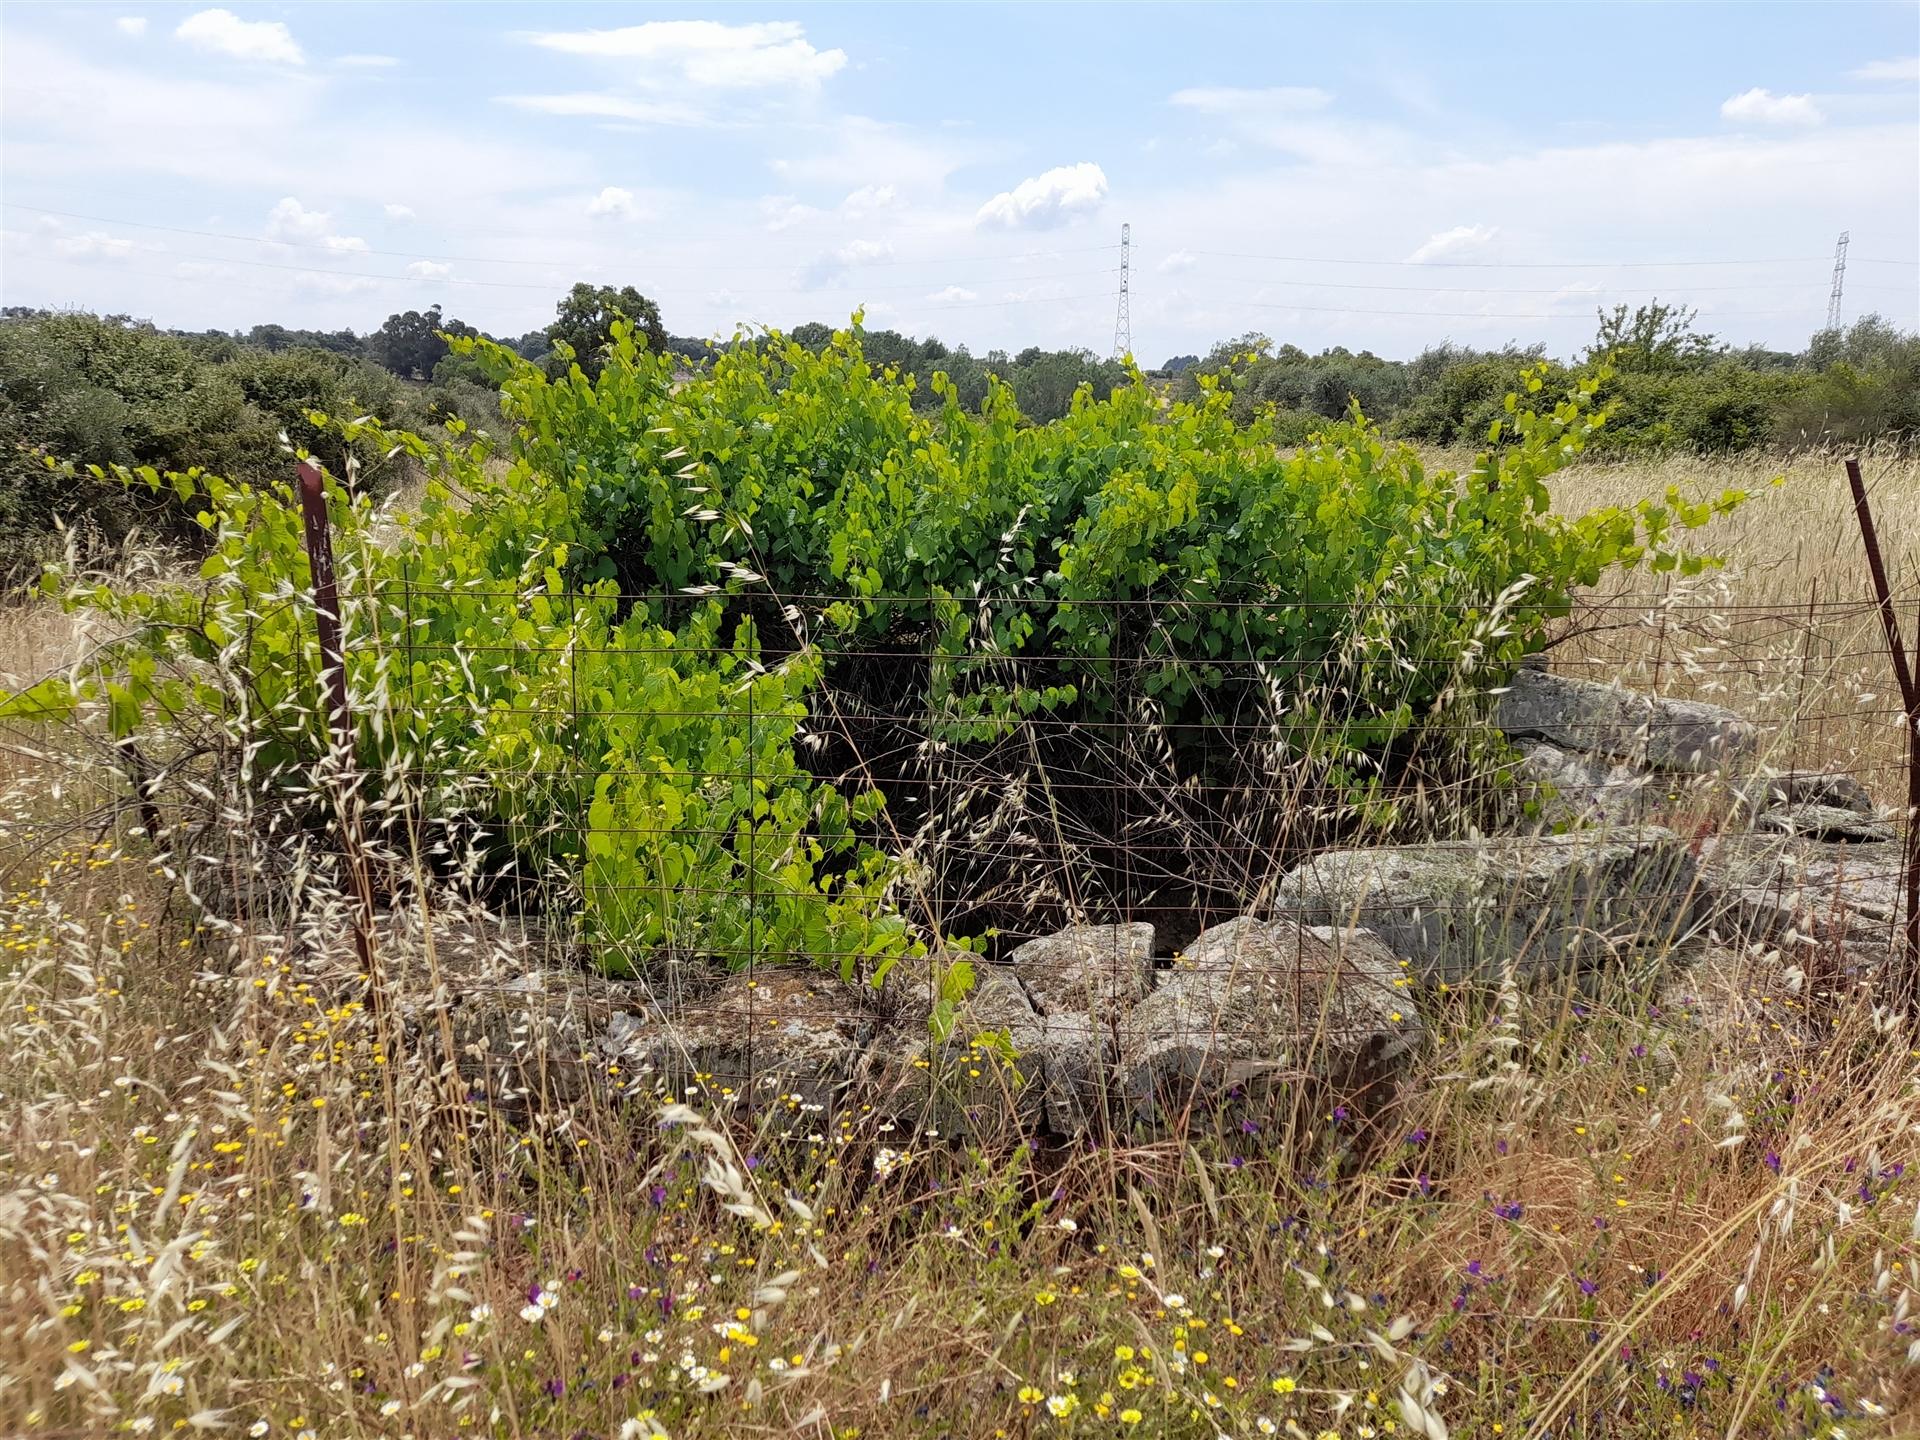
<point x="785" y="811"/>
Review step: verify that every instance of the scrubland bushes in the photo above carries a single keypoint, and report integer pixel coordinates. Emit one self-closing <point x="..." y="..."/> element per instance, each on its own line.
<point x="1672" y="389"/>
<point x="678" y="588"/>
<point x="105" y="391"/>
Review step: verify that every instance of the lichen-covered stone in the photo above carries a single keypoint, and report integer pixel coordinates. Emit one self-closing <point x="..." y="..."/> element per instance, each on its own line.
<point x="1834" y="824"/>
<point x="1254" y="1004"/>
<point x="1087" y="969"/>
<point x="1833" y="910"/>
<point x="1789" y="788"/>
<point x="1684" y="735"/>
<point x="1081" y="982"/>
<point x="775" y="1036"/>
<point x="961" y="1086"/>
<point x="1552" y="905"/>
<point x="1587" y="790"/>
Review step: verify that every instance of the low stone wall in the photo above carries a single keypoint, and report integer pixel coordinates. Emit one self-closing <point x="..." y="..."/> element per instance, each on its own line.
<point x="1091" y="1028"/>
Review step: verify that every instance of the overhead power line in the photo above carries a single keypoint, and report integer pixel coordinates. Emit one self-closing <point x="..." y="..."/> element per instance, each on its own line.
<point x="1522" y="289"/>
<point x="1478" y="314"/>
<point x="956" y="259"/>
<point x="547" y="289"/>
<point x="1535" y="264"/>
<point x="544" y="264"/>
<point x="771" y="295"/>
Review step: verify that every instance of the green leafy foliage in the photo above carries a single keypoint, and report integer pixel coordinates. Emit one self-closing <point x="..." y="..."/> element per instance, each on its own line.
<point x="110" y="392"/>
<point x="584" y="320"/>
<point x="611" y="647"/>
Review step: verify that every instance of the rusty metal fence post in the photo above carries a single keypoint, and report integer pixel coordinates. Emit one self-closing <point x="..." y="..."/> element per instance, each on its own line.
<point x="1907" y="983"/>
<point x="333" y="682"/>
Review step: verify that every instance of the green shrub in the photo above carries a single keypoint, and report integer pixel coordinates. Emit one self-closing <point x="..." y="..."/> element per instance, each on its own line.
<point x="618" y="652"/>
<point x="290" y="387"/>
<point x="1465" y="397"/>
<point x="1713" y="408"/>
<point x="108" y="392"/>
<point x="1866" y="387"/>
<point x="104" y="393"/>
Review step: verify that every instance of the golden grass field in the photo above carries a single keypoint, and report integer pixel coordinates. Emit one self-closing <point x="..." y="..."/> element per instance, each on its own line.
<point x="230" y="1203"/>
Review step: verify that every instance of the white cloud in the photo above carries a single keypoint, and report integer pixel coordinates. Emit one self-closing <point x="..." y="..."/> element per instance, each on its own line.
<point x="367" y="62"/>
<point x="1452" y="242"/>
<point x="856" y="150"/>
<point x="828" y="268"/>
<point x="290" y="220"/>
<point x="1047" y="199"/>
<point x="196" y="127"/>
<point x="708" y="53"/>
<point x="612" y="203"/>
<point x="1905" y="69"/>
<point x="869" y="198"/>
<point x="953" y="295"/>
<point x="293" y="222"/>
<point x="134" y="25"/>
<point x="608" y="107"/>
<point x="221" y="32"/>
<point x="1177" y="261"/>
<point x="1582" y="290"/>
<point x="398" y="212"/>
<point x="1270" y="102"/>
<point x="94" y="245"/>
<point x="429" y="270"/>
<point x="783" y="212"/>
<point x="1290" y="119"/>
<point x="1767" y="108"/>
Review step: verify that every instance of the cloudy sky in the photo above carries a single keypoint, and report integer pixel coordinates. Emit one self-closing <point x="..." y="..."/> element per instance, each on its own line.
<point x="1371" y="176"/>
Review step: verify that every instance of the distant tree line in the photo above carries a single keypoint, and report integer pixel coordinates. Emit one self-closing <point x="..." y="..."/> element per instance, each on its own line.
<point x="111" y="389"/>
<point x="1673" y="387"/>
<point x="1043" y="381"/>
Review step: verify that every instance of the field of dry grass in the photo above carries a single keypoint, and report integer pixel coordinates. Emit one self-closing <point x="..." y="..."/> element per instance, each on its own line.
<point x="1786" y="633"/>
<point x="233" y="1200"/>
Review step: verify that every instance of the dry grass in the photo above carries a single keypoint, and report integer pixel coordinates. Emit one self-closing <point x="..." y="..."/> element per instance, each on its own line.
<point x="232" y="1200"/>
<point x="1786" y="634"/>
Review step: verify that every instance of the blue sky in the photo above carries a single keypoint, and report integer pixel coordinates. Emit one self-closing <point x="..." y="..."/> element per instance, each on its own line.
<point x="1376" y="176"/>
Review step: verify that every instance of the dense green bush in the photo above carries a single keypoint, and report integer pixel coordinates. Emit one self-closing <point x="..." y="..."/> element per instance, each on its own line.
<point x="607" y="651"/>
<point x="110" y="392"/>
<point x="1713" y="407"/>
<point x="103" y="393"/>
<point x="1710" y="408"/>
<point x="1462" y="396"/>
<point x="1866" y="387"/>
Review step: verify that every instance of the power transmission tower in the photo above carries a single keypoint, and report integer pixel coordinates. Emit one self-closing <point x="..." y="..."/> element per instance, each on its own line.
<point x="1123" y="321"/>
<point x="1839" y="279"/>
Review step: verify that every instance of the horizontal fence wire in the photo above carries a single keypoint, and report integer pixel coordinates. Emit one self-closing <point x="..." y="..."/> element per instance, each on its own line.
<point x="1654" y="600"/>
<point x="1109" y="816"/>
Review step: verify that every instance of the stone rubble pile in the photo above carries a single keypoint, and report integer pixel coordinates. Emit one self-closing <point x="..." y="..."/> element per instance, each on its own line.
<point x="1092" y="1028"/>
